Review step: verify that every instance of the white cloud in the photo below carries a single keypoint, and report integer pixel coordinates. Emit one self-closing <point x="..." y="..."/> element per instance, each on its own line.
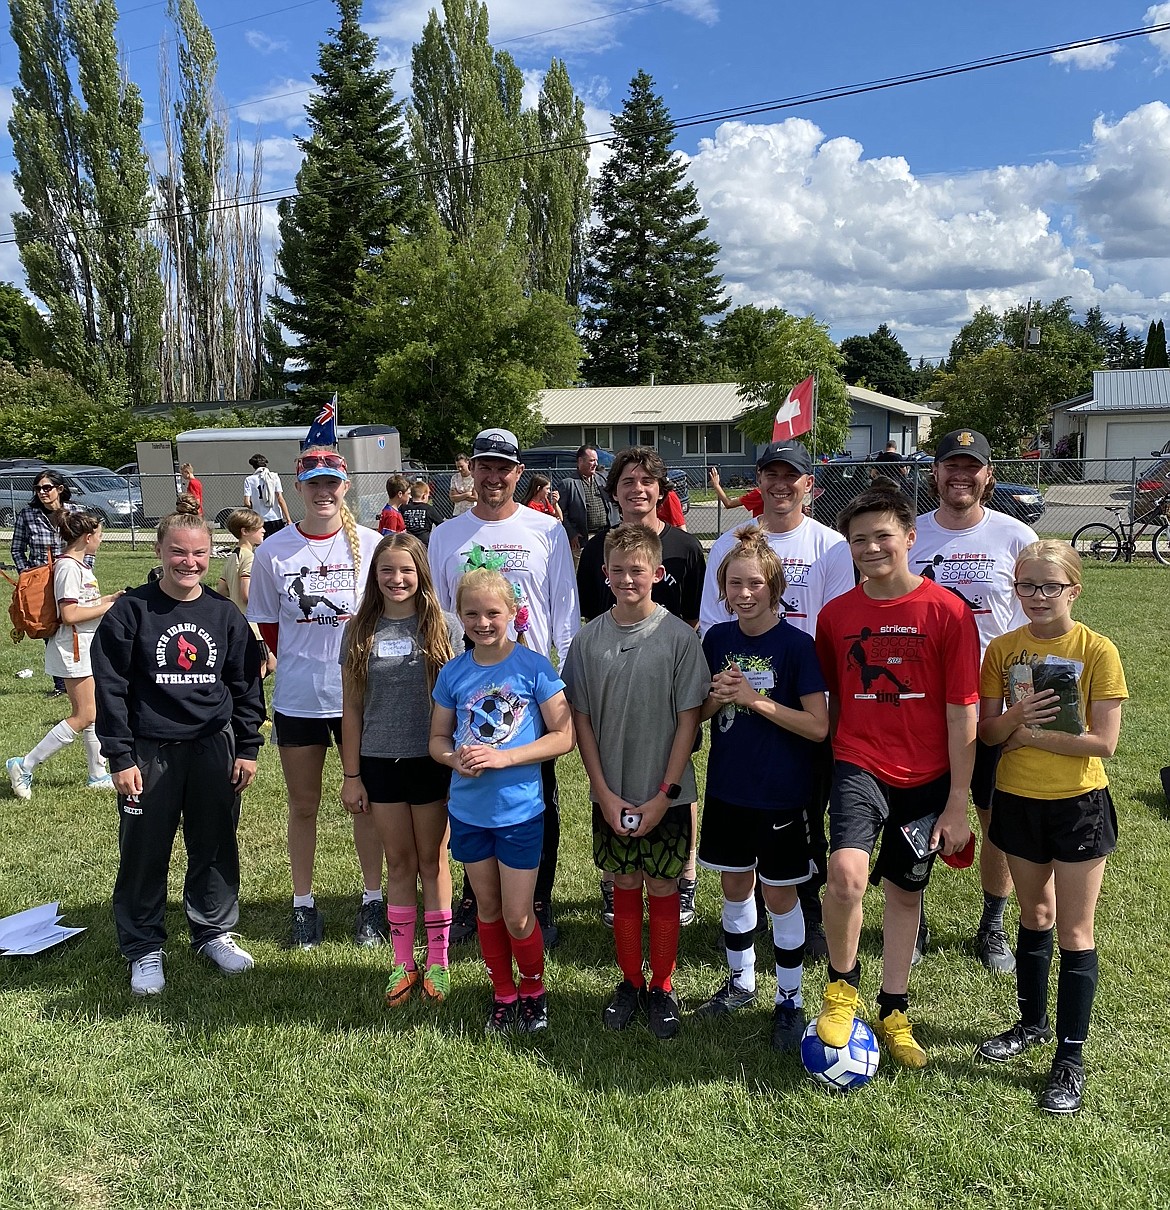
<point x="10" y="267"/>
<point x="1089" y="58"/>
<point x="279" y="101"/>
<point x="813" y="225"/>
<point x="1159" y="14"/>
<point x="260" y="41"/>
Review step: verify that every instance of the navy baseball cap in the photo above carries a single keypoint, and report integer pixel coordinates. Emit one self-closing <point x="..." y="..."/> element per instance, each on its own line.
<point x="791" y="452"/>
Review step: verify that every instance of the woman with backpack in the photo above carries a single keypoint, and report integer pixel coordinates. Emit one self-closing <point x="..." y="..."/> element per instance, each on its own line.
<point x="263" y="494"/>
<point x="80" y="606"/>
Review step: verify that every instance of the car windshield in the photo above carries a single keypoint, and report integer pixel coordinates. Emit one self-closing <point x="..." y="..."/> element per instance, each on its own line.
<point x="102" y="483"/>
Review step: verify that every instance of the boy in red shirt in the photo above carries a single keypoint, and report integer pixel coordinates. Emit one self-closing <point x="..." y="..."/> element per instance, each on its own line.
<point x="901" y="658"/>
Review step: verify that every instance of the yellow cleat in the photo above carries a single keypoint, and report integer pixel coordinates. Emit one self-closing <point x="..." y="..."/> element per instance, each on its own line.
<point x="838" y="1011"/>
<point x="894" y="1031"/>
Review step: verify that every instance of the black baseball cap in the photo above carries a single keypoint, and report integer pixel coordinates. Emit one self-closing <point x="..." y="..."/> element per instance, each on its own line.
<point x="964" y="441"/>
<point x="791" y="452"/>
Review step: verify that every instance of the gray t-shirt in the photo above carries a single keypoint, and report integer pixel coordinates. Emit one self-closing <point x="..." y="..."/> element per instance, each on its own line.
<point x="633" y="681"/>
<point x="396" y="718"/>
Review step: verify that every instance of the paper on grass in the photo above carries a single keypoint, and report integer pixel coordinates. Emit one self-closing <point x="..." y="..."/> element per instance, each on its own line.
<point x="33" y="930"/>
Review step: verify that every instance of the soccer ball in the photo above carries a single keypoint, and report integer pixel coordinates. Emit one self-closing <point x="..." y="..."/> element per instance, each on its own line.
<point x="840" y="1070"/>
<point x="492" y="719"/>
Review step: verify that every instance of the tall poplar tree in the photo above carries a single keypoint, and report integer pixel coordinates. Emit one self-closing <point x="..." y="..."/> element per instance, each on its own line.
<point x="651" y="279"/>
<point x="354" y="196"/>
<point x="82" y="176"/>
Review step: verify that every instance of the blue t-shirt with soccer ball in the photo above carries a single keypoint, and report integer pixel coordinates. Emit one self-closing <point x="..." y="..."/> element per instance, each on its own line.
<point x="498" y="705"/>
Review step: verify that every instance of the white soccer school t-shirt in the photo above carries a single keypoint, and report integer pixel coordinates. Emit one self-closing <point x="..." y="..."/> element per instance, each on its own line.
<point x="798" y="550"/>
<point x="978" y="564"/>
<point x="308" y="586"/>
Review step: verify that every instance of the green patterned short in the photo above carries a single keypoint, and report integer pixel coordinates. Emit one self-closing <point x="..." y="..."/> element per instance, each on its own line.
<point x="660" y="854"/>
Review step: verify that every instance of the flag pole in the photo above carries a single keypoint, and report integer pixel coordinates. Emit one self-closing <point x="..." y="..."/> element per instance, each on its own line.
<point x="816" y="388"/>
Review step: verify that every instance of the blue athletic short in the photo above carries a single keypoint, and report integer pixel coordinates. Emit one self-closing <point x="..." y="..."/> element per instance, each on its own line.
<point x="516" y="845"/>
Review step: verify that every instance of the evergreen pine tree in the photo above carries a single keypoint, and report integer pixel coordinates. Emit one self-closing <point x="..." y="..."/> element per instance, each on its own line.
<point x="651" y="277"/>
<point x="353" y="196"/>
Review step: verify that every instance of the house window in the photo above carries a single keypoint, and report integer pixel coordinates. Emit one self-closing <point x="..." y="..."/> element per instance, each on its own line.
<point x="648" y="437"/>
<point x="708" y="439"/>
<point x="691" y="439"/>
<point x="598" y="435"/>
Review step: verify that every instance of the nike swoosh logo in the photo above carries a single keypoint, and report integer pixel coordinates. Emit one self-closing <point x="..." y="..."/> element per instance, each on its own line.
<point x="634" y="648"/>
<point x="779" y="827"/>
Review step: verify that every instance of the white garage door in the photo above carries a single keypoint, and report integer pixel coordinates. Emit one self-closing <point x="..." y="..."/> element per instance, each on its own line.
<point x="1135" y="438"/>
<point x="859" y="438"/>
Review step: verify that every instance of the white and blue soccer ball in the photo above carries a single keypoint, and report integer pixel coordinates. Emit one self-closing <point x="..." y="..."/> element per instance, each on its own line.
<point x="840" y="1068"/>
<point x="492" y="719"/>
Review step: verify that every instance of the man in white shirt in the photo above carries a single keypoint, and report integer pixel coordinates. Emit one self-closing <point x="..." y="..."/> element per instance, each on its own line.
<point x="531" y="549"/>
<point x="264" y="494"/>
<point x="784" y="475"/>
<point x="971" y="549"/>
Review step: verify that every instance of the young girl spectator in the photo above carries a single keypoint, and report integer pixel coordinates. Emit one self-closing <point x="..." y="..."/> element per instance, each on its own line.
<point x="500" y="710"/>
<point x="247" y="527"/>
<point x="392" y="652"/>
<point x="1052" y="814"/>
<point x="306" y="581"/>
<point x="540" y="496"/>
<point x="179" y="708"/>
<point x="767" y="701"/>
<point x="80" y="606"/>
<point x="191" y="485"/>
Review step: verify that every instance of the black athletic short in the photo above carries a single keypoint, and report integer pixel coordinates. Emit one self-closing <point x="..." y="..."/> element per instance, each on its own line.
<point x="773" y="843"/>
<point x="410" y="779"/>
<point x="983" y="774"/>
<point x="662" y="853"/>
<point x="863" y="808"/>
<point x="1058" y="829"/>
<point x="291" y="731"/>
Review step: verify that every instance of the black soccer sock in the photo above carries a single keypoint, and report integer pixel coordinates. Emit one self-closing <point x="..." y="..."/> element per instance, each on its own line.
<point x="853" y="977"/>
<point x="992" y="918"/>
<point x="1076" y="986"/>
<point x="889" y="1002"/>
<point x="1033" y="960"/>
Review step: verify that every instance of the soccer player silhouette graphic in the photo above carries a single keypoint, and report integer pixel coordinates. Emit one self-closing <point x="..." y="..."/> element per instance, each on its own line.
<point x="867" y="671"/>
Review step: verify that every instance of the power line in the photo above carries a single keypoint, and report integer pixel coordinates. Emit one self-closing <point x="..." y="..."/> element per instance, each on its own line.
<point x="706" y="118"/>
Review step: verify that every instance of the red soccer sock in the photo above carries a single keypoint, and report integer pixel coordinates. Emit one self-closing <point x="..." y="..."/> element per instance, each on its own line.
<point x="663" y="939"/>
<point x="627" y="933"/>
<point x="529" y="954"/>
<point x="438" y="926"/>
<point x="496" y="948"/>
<point x="402" y="921"/>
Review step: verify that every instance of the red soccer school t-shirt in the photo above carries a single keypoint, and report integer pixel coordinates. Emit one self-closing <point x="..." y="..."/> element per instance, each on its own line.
<point x="893" y="667"/>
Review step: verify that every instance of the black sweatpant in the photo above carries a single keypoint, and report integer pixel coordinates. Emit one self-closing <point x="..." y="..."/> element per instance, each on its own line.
<point x="188" y="780"/>
<point x="809" y="892"/>
<point x="547" y="871"/>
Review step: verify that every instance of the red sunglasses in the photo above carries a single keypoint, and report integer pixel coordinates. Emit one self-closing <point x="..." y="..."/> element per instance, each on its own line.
<point x="309" y="462"/>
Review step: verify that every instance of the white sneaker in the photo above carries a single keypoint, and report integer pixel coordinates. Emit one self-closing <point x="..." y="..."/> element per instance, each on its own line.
<point x="21" y="781"/>
<point x="103" y="782"/>
<point x="227" y="955"/>
<point x="146" y="974"/>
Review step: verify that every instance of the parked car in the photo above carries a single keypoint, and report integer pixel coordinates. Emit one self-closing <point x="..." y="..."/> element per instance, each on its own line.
<point x="559" y="462"/>
<point x="1153" y="486"/>
<point x="96" y="489"/>
<point x="840" y="479"/>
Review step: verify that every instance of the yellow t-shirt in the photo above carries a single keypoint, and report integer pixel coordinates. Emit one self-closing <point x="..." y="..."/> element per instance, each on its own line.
<point x="1027" y="771"/>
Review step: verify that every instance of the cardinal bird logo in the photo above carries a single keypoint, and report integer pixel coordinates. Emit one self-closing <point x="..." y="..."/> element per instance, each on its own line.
<point x="188" y="654"/>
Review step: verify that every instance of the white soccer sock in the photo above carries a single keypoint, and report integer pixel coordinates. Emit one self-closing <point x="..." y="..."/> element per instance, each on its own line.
<point x="788" y="942"/>
<point x="304" y="900"/>
<point x="61" y="736"/>
<point x="93" y="752"/>
<point x="371" y="896"/>
<point x="739" y="926"/>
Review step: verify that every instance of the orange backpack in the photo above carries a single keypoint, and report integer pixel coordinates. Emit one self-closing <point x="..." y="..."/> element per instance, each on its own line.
<point x="33" y="608"/>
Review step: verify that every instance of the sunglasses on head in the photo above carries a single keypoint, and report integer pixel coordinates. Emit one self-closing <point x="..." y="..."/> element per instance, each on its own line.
<point x="494" y="445"/>
<point x="309" y="462"/>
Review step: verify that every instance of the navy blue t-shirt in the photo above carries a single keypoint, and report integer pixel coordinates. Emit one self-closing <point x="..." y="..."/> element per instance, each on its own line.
<point x="753" y="762"/>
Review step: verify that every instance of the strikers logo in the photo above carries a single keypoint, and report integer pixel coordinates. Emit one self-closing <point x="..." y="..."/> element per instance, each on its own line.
<point x="189" y="649"/>
<point x="885" y="657"/>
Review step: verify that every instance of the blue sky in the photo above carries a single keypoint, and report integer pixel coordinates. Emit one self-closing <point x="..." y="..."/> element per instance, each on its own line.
<point x="911" y="206"/>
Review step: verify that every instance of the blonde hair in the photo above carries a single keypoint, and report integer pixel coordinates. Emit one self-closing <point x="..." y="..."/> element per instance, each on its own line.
<point x="433" y="636"/>
<point x="751" y="544"/>
<point x="487" y="579"/>
<point x="348" y="523"/>
<point x="631" y="538"/>
<point x="185" y="502"/>
<point x="182" y="521"/>
<point x="240" y="520"/>
<point x="1057" y="553"/>
<point x="187" y="470"/>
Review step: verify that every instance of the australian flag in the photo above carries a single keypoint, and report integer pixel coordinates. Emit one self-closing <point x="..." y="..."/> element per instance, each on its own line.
<point x="323" y="430"/>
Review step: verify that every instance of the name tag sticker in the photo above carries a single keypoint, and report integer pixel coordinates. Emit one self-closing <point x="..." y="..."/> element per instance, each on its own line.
<point x="388" y="649"/>
<point x="761" y="682"/>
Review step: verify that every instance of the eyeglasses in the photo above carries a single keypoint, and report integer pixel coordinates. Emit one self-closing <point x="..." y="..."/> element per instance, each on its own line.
<point x="494" y="445"/>
<point x="309" y="462"/>
<point x="1024" y="589"/>
<point x="46" y="488"/>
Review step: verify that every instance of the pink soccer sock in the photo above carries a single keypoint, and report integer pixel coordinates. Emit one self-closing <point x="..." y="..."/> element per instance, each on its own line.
<point x="402" y="921"/>
<point x="438" y="926"/>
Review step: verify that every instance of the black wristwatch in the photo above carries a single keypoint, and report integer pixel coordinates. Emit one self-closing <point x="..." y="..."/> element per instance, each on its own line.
<point x="672" y="790"/>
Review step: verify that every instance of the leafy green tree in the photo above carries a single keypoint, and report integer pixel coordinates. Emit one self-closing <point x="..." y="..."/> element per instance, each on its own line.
<point x="651" y="279"/>
<point x="447" y="339"/>
<point x="22" y="329"/>
<point x="1125" y="351"/>
<point x="879" y="362"/>
<point x="923" y="377"/>
<point x="1154" y="357"/>
<point x="354" y="195"/>
<point x="1098" y="329"/>
<point x="983" y="330"/>
<point x="81" y="172"/>
<point x="794" y="348"/>
<point x="736" y="340"/>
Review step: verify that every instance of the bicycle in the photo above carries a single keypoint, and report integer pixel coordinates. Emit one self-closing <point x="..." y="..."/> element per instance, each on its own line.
<point x="1107" y="544"/>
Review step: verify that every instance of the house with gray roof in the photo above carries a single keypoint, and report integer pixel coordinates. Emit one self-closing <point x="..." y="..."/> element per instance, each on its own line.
<point x="1126" y="415"/>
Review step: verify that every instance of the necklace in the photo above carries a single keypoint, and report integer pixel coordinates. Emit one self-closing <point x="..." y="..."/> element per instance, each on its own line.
<point x="324" y="559"/>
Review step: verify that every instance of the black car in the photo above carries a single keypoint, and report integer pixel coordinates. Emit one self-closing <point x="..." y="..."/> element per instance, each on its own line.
<point x="836" y="483"/>
<point x="560" y="461"/>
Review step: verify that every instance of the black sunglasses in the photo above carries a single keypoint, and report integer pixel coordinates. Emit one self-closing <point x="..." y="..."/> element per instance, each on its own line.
<point x="47" y="487"/>
<point x="494" y="445"/>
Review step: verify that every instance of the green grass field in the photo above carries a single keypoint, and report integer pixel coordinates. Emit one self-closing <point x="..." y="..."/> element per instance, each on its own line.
<point x="294" y="1087"/>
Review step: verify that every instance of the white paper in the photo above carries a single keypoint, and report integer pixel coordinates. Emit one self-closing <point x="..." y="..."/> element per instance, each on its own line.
<point x="33" y="930"/>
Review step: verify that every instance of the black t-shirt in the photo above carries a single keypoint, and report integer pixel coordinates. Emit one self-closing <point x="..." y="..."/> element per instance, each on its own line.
<point x="679" y="591"/>
<point x="420" y="517"/>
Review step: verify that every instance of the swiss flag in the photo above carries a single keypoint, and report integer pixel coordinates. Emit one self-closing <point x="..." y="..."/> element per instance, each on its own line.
<point x="795" y="414"/>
